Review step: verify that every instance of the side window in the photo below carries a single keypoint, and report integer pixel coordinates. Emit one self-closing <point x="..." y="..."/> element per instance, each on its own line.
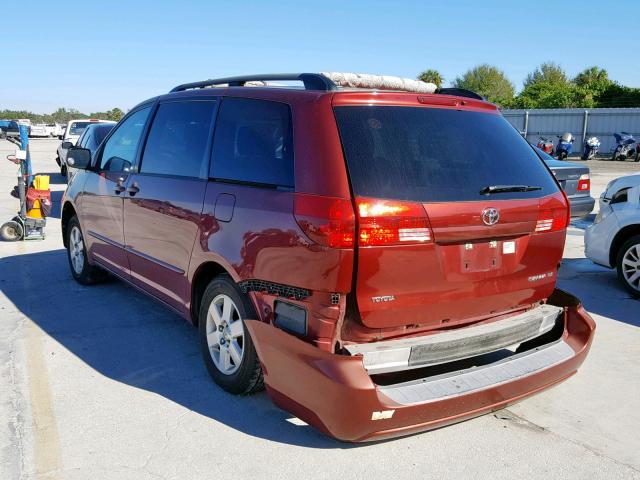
<point x="81" y="141"/>
<point x="178" y="139"/>
<point x="85" y="140"/>
<point x="253" y="142"/>
<point x="119" y="151"/>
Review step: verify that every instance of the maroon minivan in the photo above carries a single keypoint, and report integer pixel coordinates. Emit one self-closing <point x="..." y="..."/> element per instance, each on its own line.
<point x="384" y="261"/>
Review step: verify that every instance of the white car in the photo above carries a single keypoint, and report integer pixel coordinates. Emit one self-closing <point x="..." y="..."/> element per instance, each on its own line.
<point x="40" y="130"/>
<point x="614" y="238"/>
<point x="75" y="128"/>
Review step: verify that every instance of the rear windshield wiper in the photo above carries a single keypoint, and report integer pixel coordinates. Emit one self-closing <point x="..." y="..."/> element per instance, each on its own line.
<point x="488" y="190"/>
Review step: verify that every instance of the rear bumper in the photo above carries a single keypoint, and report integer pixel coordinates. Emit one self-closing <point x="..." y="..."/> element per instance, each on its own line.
<point x="335" y="394"/>
<point x="581" y="206"/>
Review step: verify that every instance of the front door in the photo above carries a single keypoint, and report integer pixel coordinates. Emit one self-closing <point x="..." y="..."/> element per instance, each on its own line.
<point x="164" y="199"/>
<point x="102" y="204"/>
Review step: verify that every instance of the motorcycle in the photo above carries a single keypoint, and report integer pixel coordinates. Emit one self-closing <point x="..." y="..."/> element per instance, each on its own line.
<point x="545" y="145"/>
<point x="565" y="146"/>
<point x="625" y="147"/>
<point x="591" y="147"/>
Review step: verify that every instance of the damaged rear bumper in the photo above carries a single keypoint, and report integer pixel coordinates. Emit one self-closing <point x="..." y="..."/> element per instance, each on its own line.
<point x="337" y="395"/>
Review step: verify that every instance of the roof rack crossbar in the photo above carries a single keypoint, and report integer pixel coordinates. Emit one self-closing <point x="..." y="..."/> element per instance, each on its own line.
<point x="311" y="81"/>
<point x="459" y="92"/>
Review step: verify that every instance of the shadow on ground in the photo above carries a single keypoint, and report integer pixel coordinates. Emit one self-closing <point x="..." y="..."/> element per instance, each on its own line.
<point x="599" y="289"/>
<point x="583" y="223"/>
<point x="130" y="338"/>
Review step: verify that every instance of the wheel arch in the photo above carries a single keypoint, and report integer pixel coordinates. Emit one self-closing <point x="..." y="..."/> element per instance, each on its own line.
<point x="622" y="236"/>
<point x="68" y="211"/>
<point x="203" y="275"/>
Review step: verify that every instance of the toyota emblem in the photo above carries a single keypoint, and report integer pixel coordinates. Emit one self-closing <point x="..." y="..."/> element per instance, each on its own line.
<point x="490" y="216"/>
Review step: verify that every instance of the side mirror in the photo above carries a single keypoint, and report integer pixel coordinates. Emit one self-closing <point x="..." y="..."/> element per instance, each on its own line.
<point x="67" y="145"/>
<point x="79" y="158"/>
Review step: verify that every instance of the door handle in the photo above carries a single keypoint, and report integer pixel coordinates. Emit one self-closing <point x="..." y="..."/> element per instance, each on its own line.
<point x="119" y="188"/>
<point x="133" y="189"/>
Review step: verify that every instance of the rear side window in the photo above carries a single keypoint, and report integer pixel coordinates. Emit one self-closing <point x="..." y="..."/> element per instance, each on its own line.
<point x="99" y="133"/>
<point x="436" y="155"/>
<point x="178" y="138"/>
<point x="253" y="143"/>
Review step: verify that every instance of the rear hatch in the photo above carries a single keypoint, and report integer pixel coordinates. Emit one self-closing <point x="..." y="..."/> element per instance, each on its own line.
<point x="447" y="231"/>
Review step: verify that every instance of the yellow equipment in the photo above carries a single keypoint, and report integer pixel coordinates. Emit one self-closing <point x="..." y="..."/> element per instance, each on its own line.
<point x="41" y="183"/>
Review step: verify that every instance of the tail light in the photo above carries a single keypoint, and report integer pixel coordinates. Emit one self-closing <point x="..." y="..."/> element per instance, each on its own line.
<point x="390" y="222"/>
<point x="584" y="183"/>
<point x="328" y="221"/>
<point x="552" y="220"/>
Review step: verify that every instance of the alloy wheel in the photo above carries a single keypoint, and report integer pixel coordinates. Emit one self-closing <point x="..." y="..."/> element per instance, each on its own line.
<point x="225" y="334"/>
<point x="76" y="250"/>
<point x="631" y="266"/>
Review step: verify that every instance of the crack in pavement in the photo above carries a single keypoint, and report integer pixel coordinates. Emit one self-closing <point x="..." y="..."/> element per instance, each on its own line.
<point x="520" y="421"/>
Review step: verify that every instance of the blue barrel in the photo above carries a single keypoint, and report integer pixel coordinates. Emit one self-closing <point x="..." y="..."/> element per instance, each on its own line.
<point x="24" y="145"/>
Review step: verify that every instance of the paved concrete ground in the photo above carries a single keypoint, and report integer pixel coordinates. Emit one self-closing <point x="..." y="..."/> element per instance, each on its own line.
<point x="103" y="383"/>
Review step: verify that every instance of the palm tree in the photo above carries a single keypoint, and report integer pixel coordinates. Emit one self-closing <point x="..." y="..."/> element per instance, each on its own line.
<point x="432" y="76"/>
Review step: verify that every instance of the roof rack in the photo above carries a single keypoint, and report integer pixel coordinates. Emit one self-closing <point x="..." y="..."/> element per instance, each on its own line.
<point x="311" y="81"/>
<point x="459" y="92"/>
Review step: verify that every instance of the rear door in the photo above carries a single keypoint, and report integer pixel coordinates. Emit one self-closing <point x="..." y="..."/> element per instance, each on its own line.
<point x="441" y="240"/>
<point x="163" y="200"/>
<point x="102" y="204"/>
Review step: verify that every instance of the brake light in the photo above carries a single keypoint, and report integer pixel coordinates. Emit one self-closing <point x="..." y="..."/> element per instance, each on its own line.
<point x="551" y="220"/>
<point x="390" y="222"/>
<point x="584" y="183"/>
<point x="328" y="221"/>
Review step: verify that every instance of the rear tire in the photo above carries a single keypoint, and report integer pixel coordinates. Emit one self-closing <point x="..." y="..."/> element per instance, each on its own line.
<point x="11" y="231"/>
<point x="227" y="349"/>
<point x="82" y="272"/>
<point x="628" y="265"/>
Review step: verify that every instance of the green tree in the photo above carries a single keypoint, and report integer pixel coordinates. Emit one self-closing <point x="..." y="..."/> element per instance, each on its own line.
<point x="489" y="82"/>
<point x="593" y="79"/>
<point x="548" y="72"/>
<point x="619" y="96"/>
<point x="432" y="76"/>
<point x="115" y="114"/>
<point x="553" y="95"/>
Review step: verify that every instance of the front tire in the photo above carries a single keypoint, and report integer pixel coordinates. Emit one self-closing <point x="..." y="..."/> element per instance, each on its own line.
<point x="227" y="348"/>
<point x="628" y="265"/>
<point x="82" y="272"/>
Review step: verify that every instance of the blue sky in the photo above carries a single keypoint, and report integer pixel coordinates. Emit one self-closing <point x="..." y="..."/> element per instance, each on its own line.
<point x="98" y="55"/>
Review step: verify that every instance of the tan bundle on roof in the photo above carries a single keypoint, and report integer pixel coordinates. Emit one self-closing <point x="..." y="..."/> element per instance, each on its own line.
<point x="379" y="82"/>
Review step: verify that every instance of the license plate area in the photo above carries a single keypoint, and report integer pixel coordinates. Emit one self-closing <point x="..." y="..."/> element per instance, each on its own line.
<point x="482" y="256"/>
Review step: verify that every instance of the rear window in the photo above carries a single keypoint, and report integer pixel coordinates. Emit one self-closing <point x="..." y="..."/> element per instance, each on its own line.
<point x="77" y="128"/>
<point x="436" y="155"/>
